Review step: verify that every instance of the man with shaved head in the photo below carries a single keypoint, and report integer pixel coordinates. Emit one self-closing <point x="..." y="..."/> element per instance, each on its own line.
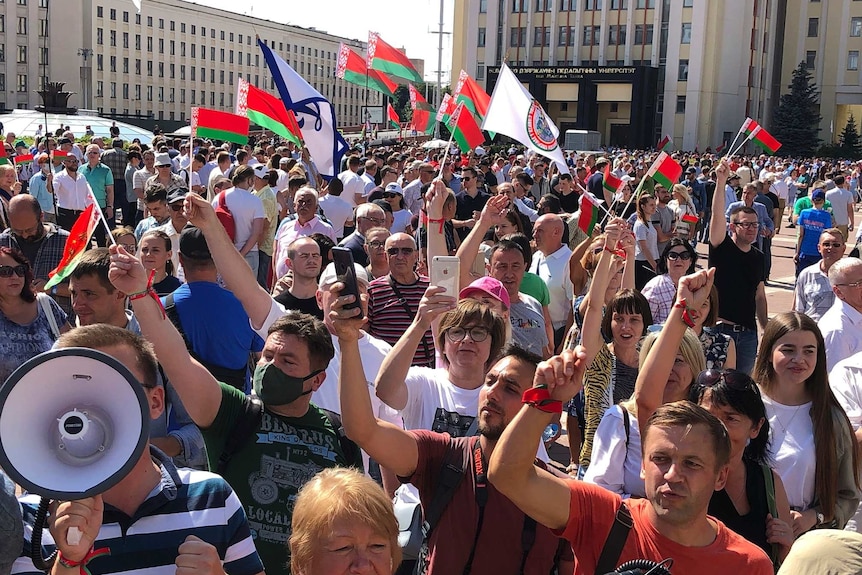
<point x="394" y="298"/>
<point x="551" y="263"/>
<point x="41" y="243"/>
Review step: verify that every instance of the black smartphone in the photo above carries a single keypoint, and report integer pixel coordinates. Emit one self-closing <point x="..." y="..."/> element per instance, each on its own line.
<point x="343" y="259"/>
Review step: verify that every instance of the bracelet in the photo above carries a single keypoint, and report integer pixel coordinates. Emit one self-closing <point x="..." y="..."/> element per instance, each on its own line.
<point x="539" y="398"/>
<point x="688" y="314"/>
<point x="82" y="564"/>
<point x="620" y="253"/>
<point x="441" y="222"/>
<point x="149" y="292"/>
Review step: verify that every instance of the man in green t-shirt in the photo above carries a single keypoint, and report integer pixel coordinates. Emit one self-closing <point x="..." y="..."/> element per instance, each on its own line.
<point x="293" y="439"/>
<point x="805" y="203"/>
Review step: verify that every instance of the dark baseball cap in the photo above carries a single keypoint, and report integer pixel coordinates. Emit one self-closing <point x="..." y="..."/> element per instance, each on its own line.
<point x="193" y="244"/>
<point x="177" y="195"/>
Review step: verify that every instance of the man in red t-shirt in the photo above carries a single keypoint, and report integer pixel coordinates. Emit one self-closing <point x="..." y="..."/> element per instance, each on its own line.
<point x="685" y="456"/>
<point x="488" y="537"/>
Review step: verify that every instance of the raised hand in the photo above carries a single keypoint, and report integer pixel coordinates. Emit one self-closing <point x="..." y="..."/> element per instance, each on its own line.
<point x="434" y="304"/>
<point x="200" y="212"/>
<point x="126" y="273"/>
<point x="435" y="198"/>
<point x="346" y="323"/>
<point x="563" y="374"/>
<point x="694" y="288"/>
<point x="613" y="232"/>
<point x="495" y="209"/>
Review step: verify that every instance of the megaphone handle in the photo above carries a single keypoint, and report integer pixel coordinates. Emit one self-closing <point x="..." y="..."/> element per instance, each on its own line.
<point x="73" y="535"/>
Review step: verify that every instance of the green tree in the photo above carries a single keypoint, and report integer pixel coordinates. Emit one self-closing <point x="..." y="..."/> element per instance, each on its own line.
<point x="851" y="146"/>
<point x="796" y="122"/>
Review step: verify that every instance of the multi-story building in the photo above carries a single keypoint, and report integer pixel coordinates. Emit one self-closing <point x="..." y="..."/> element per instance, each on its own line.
<point x="827" y="36"/>
<point x="160" y="62"/>
<point x="638" y="69"/>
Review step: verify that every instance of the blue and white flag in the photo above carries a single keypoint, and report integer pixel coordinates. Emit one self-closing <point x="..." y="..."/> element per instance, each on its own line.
<point x="314" y="113"/>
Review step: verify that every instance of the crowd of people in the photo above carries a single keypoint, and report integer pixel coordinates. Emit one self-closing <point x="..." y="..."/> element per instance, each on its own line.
<point x="306" y="424"/>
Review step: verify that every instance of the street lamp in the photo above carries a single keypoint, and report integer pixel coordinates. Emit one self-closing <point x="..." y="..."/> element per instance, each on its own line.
<point x="85" y="53"/>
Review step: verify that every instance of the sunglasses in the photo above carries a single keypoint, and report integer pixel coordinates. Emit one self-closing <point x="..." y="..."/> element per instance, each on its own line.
<point x="389" y="195"/>
<point x="404" y="251"/>
<point x="176" y="206"/>
<point x="459" y="334"/>
<point x="831" y="245"/>
<point x="466" y="179"/>
<point x="684" y="256"/>
<point x="731" y="377"/>
<point x="7" y="271"/>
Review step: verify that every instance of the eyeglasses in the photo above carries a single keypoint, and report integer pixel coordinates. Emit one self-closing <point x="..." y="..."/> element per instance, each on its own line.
<point x="459" y="334"/>
<point x="746" y="225"/>
<point x="19" y="270"/>
<point x="831" y="245"/>
<point x="684" y="256"/>
<point x="404" y="251"/>
<point x="375" y="245"/>
<point x="375" y="221"/>
<point x="304" y="202"/>
<point x="851" y="284"/>
<point x="731" y="377"/>
<point x="130" y="247"/>
<point x="176" y="206"/>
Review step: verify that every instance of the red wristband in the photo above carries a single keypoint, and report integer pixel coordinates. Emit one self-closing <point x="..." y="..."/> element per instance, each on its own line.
<point x="82" y="564"/>
<point x="149" y="292"/>
<point x="540" y="398"/>
<point x="686" y="312"/>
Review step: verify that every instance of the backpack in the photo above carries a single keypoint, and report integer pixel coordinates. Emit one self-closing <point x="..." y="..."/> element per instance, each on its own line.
<point x="250" y="419"/>
<point x="225" y="217"/>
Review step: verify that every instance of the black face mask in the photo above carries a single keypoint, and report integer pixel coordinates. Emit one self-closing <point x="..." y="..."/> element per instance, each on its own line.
<point x="274" y="387"/>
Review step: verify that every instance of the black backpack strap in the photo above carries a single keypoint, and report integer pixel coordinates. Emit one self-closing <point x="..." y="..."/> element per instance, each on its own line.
<point x="627" y="423"/>
<point x="352" y="452"/>
<point x="243" y="428"/>
<point x="616" y="541"/>
<point x="528" y="539"/>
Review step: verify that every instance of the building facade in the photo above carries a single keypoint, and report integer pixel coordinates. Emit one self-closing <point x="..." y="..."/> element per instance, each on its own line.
<point x="717" y="61"/>
<point x="161" y="62"/>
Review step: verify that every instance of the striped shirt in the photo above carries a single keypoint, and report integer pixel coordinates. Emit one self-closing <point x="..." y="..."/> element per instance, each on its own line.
<point x="186" y="502"/>
<point x="388" y="317"/>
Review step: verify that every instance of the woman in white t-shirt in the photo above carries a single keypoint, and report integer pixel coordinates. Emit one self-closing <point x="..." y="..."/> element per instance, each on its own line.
<point x="646" y="242"/>
<point x="394" y="196"/>
<point x="811" y="443"/>
<point x="469" y="339"/>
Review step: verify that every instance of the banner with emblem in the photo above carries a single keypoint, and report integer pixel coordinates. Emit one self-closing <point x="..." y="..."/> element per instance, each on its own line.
<point x="514" y="112"/>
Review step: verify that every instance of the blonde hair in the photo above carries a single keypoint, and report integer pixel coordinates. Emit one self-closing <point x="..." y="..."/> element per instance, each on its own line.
<point x="335" y="494"/>
<point x="691" y="350"/>
<point x="683" y="191"/>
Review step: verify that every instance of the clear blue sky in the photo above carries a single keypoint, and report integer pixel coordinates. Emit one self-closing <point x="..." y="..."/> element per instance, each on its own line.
<point x="401" y="23"/>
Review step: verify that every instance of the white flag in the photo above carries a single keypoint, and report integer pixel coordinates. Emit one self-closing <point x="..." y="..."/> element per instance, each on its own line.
<point x="137" y="4"/>
<point x="514" y="112"/>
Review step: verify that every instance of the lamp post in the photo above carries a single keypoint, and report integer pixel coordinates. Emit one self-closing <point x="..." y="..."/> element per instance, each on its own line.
<point x="85" y="53"/>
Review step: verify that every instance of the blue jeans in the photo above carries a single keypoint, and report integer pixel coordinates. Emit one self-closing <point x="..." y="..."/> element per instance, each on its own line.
<point x="746" y="346"/>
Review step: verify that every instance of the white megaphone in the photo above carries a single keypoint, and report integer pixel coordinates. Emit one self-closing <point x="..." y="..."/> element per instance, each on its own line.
<point x="73" y="423"/>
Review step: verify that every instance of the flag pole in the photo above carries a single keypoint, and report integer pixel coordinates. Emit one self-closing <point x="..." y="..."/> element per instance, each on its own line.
<point x="730" y="147"/>
<point x="745" y="141"/>
<point x="101" y="215"/>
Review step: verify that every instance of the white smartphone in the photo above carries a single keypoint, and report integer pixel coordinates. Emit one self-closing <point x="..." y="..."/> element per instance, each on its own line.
<point x="445" y="271"/>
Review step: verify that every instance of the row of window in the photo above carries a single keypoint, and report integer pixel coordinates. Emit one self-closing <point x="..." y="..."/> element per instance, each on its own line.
<point x="313" y="70"/>
<point x="855" y="27"/>
<point x="522" y="6"/>
<point x="852" y="59"/>
<point x="172" y="45"/>
<point x="21" y="56"/>
<point x="168" y="94"/>
<point x="591" y="35"/>
<point x="282" y="47"/>
<point x="42" y="3"/>
<point x="21" y="85"/>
